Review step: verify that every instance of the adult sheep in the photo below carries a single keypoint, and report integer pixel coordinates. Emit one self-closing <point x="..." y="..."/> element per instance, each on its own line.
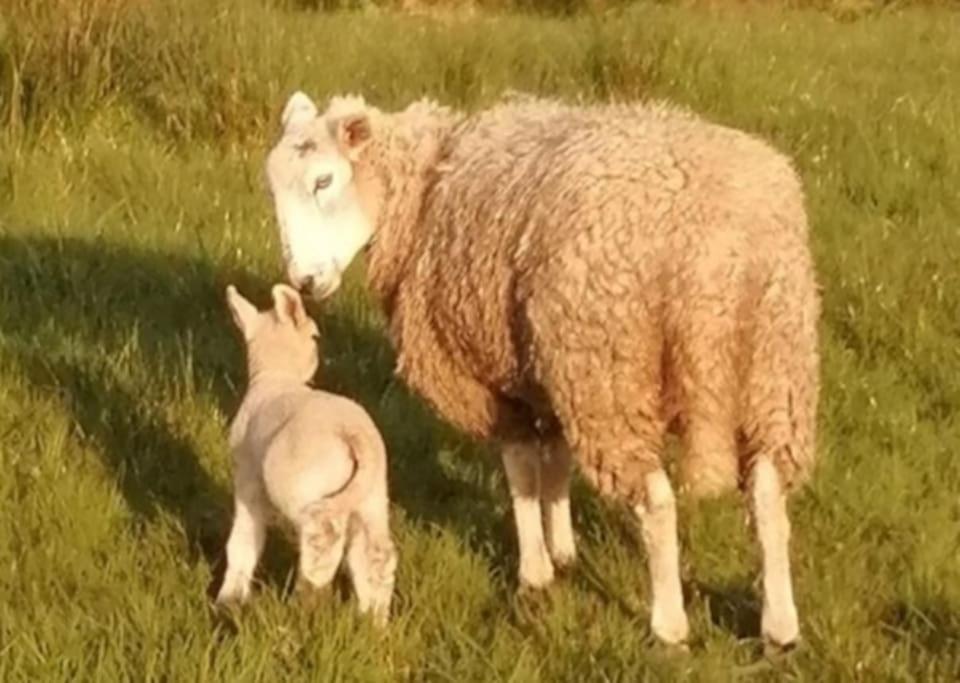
<point x="575" y="283"/>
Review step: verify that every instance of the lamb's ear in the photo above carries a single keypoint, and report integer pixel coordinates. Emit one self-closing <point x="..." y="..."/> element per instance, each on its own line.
<point x="299" y="110"/>
<point x="288" y="306"/>
<point x="353" y="132"/>
<point x="245" y="314"/>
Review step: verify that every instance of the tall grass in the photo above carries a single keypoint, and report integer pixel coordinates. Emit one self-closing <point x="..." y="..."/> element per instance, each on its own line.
<point x="131" y="193"/>
<point x="214" y="68"/>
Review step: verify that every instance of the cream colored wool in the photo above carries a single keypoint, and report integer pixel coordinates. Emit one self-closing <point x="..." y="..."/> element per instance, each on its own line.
<point x="589" y="276"/>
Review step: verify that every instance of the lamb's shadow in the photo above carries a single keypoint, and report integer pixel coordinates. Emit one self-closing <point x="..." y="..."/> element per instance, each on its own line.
<point x="70" y="307"/>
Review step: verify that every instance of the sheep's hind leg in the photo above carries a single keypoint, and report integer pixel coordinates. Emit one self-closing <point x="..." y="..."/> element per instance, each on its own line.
<point x="372" y="561"/>
<point x="247" y="537"/>
<point x="768" y="504"/>
<point x="521" y="462"/>
<point x="556" y="471"/>
<point x="322" y="539"/>
<point x="658" y="517"/>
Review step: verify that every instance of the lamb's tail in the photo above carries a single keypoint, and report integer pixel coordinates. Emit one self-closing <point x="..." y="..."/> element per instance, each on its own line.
<point x="368" y="453"/>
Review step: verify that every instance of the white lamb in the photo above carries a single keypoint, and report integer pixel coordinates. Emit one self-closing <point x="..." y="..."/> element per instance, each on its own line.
<point x="316" y="457"/>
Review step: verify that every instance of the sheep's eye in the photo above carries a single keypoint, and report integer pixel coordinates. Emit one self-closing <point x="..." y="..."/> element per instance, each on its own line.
<point x="322" y="183"/>
<point x="306" y="146"/>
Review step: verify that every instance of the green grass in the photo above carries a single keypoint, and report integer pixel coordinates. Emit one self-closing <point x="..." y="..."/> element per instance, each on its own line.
<point x="131" y="193"/>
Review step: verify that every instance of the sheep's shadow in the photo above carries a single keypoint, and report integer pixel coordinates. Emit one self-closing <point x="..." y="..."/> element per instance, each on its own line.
<point x="734" y="607"/>
<point x="70" y="307"/>
<point x="71" y="310"/>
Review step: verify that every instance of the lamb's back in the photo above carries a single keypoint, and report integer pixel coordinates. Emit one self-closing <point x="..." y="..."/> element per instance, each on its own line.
<point x="305" y="444"/>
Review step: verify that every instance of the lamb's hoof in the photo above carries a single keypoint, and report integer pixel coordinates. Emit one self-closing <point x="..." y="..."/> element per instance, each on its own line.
<point x="311" y="596"/>
<point x="232" y="595"/>
<point x="379" y="616"/>
<point x="535" y="576"/>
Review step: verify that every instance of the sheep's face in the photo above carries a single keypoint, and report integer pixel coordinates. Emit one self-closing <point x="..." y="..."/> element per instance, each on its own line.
<point x="281" y="342"/>
<point x="310" y="172"/>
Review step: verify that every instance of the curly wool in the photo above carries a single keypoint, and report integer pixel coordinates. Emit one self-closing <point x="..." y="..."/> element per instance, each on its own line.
<point x="611" y="273"/>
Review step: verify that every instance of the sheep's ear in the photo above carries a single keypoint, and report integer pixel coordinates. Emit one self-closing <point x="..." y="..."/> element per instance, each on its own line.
<point x="288" y="306"/>
<point x="299" y="110"/>
<point x="353" y="133"/>
<point x="245" y="314"/>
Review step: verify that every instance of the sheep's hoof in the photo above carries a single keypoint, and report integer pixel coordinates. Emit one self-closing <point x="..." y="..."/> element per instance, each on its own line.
<point x="780" y="628"/>
<point x="672" y="630"/>
<point x="774" y="651"/>
<point x="563" y="563"/>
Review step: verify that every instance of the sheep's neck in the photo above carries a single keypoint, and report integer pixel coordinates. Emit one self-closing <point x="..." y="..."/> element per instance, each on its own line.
<point x="392" y="253"/>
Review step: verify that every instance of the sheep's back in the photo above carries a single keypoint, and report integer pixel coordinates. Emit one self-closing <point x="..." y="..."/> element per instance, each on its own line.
<point x="601" y="215"/>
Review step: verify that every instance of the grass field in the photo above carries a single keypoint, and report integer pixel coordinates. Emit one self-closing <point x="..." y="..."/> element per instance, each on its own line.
<point x="131" y="193"/>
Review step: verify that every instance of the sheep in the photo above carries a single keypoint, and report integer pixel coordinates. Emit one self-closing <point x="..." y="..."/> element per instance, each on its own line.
<point x="576" y="283"/>
<point x="314" y="457"/>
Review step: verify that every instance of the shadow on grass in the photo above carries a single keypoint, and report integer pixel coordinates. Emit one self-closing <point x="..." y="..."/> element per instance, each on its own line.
<point x="68" y="310"/>
<point x="734" y="607"/>
<point x="932" y="626"/>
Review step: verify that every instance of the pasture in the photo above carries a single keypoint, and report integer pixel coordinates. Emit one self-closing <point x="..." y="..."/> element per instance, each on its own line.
<point x="131" y="193"/>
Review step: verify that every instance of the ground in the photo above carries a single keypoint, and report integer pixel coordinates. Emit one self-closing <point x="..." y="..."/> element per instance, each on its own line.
<point x="131" y="193"/>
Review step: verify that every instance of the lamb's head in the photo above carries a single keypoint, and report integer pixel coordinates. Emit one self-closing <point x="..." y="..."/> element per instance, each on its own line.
<point x="281" y="342"/>
<point x="325" y="204"/>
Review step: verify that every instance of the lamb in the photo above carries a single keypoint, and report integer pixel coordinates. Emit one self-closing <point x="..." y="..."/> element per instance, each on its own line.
<point x="314" y="457"/>
<point x="576" y="283"/>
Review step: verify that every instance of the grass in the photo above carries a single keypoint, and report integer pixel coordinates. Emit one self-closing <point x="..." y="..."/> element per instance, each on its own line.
<point x="131" y="193"/>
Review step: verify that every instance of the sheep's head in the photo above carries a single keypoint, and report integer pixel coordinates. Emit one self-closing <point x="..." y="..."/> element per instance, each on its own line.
<point x="280" y="342"/>
<point x="325" y="215"/>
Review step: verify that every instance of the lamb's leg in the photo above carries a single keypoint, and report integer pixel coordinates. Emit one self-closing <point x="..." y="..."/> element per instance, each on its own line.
<point x="372" y="561"/>
<point x="555" y="472"/>
<point x="521" y="462"/>
<point x="658" y="517"/>
<point x="768" y="502"/>
<point x="245" y="544"/>
<point x="323" y="534"/>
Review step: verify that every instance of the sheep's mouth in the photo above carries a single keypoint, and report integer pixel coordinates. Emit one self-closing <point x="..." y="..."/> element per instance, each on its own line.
<point x="324" y="290"/>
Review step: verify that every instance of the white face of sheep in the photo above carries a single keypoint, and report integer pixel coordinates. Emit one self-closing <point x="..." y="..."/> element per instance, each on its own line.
<point x="310" y="173"/>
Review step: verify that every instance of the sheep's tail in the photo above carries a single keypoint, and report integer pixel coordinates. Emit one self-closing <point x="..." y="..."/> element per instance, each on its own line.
<point x="368" y="454"/>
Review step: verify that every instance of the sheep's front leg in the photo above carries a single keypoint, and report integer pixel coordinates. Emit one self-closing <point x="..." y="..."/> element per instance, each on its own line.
<point x="521" y="462"/>
<point x="658" y="517"/>
<point x="245" y="544"/>
<point x="555" y="472"/>
<point x="769" y="507"/>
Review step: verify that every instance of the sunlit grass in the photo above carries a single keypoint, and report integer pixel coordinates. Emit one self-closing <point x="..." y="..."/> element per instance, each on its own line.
<point x="127" y="204"/>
